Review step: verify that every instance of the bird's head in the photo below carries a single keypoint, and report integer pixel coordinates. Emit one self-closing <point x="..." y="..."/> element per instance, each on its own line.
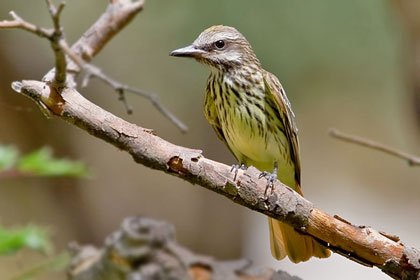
<point x="222" y="47"/>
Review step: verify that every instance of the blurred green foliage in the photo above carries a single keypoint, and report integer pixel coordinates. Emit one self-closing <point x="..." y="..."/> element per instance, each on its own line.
<point x="40" y="162"/>
<point x="37" y="163"/>
<point x="30" y="236"/>
<point x="35" y="238"/>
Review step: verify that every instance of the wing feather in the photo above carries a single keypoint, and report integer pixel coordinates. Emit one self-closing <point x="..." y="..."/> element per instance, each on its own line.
<point x="275" y="90"/>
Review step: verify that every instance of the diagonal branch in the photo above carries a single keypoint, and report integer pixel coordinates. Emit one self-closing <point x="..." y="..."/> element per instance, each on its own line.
<point x="362" y="244"/>
<point x="411" y="159"/>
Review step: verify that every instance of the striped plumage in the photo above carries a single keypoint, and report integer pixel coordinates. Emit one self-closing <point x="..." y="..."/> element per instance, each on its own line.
<point x="249" y="111"/>
<point x="249" y="122"/>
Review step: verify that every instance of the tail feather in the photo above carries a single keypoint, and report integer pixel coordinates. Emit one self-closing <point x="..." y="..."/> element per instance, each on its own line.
<point x="285" y="240"/>
<point x="319" y="250"/>
<point x="276" y="240"/>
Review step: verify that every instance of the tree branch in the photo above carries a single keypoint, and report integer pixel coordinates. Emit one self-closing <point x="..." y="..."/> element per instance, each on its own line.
<point x="55" y="36"/>
<point x="56" y="39"/>
<point x="411" y="159"/>
<point x="116" y="17"/>
<point x="93" y="71"/>
<point x="117" y="14"/>
<point x="18" y="22"/>
<point x="362" y="244"/>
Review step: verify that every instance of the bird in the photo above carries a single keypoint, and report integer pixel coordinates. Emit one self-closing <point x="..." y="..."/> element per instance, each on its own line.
<point x="250" y="112"/>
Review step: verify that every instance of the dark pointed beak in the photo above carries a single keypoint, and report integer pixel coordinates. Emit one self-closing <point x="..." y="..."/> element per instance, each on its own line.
<point x="189" y="51"/>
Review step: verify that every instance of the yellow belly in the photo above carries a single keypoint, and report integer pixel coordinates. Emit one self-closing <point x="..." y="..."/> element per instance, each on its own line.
<point x="259" y="147"/>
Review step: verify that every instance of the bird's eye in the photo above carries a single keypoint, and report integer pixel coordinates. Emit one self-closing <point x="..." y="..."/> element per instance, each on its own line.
<point x="220" y="44"/>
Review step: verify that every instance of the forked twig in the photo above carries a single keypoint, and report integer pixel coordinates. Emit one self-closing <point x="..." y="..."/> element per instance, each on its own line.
<point x="55" y="12"/>
<point x="56" y="38"/>
<point x="93" y="71"/>
<point x="61" y="49"/>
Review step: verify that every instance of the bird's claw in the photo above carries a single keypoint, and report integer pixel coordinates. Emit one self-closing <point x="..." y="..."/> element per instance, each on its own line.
<point x="236" y="167"/>
<point x="271" y="178"/>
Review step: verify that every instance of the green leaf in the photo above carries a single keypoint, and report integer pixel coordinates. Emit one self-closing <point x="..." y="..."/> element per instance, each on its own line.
<point x="32" y="237"/>
<point x="41" y="162"/>
<point x="8" y="157"/>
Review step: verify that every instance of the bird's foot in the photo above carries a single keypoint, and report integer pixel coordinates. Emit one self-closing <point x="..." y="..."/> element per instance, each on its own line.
<point x="271" y="178"/>
<point x="236" y="167"/>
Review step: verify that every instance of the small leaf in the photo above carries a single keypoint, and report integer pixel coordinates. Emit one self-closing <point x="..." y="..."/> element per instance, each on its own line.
<point x="8" y="157"/>
<point x="41" y="162"/>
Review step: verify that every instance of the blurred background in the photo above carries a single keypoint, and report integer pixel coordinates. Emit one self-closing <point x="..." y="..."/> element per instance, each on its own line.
<point x="344" y="64"/>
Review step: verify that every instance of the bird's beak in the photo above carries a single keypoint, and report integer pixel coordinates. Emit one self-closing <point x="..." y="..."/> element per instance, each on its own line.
<point x="189" y="51"/>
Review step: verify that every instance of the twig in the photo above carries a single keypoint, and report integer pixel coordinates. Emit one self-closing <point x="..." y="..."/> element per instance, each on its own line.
<point x="93" y="71"/>
<point x="119" y="13"/>
<point x="53" y="35"/>
<point x="411" y="159"/>
<point x="18" y="22"/>
<point x="55" y="12"/>
<point x="56" y="39"/>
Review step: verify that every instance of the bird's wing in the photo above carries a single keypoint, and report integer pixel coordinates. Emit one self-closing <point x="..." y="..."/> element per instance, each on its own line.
<point x="275" y="90"/>
<point x="219" y="132"/>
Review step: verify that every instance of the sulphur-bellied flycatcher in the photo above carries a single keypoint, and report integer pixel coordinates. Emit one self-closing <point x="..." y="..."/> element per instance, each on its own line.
<point x="250" y="113"/>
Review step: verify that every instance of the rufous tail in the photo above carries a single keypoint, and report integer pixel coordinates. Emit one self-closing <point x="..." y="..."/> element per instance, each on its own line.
<point x="286" y="241"/>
